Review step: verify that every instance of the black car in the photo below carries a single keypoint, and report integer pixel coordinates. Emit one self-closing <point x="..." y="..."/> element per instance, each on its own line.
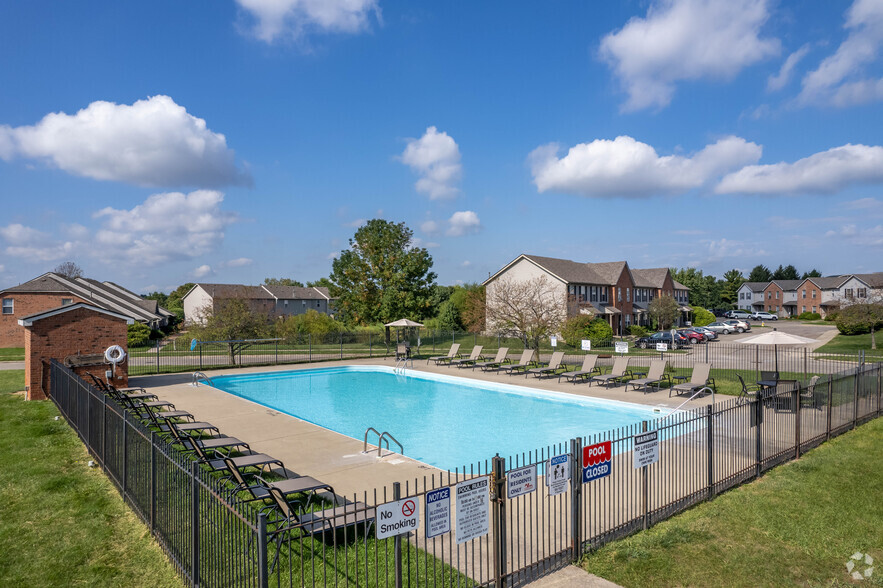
<point x="663" y="337"/>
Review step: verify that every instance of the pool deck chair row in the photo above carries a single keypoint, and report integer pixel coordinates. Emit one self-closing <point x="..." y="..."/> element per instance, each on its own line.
<point x="619" y="373"/>
<point x="501" y="359"/>
<point x="453" y="353"/>
<point x="698" y="380"/>
<point x="656" y="376"/>
<point x="587" y="370"/>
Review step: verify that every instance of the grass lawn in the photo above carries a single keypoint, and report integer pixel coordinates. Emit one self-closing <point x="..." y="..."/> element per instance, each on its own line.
<point x="796" y="526"/>
<point x="12" y="353"/>
<point x="62" y="523"/>
<point x="853" y="344"/>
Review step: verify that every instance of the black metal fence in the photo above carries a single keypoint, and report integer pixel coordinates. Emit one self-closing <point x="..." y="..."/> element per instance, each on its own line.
<point x="215" y="540"/>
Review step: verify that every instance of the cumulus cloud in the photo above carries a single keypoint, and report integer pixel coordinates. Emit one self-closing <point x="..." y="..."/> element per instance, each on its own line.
<point x="685" y="40"/>
<point x="153" y="142"/>
<point x="865" y="237"/>
<point x="435" y="157"/>
<point x="826" y="172"/>
<point x="629" y="168"/>
<point x="838" y="79"/>
<point x="239" y="262"/>
<point x="430" y="227"/>
<point x="292" y="19"/>
<point x="202" y="271"/>
<point x="464" y="222"/>
<point x="781" y="79"/>
<point x="32" y="245"/>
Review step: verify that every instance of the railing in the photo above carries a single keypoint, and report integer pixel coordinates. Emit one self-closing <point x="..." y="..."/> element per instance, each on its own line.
<point x="197" y="376"/>
<point x="380" y="439"/>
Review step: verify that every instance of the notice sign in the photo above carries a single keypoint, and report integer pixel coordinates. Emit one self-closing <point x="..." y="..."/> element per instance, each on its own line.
<point x="438" y="512"/>
<point x="662" y="347"/>
<point x="621" y="346"/>
<point x="597" y="461"/>
<point x="473" y="509"/>
<point x="646" y="449"/>
<point x="586" y="344"/>
<point x="395" y="518"/>
<point x="521" y="481"/>
<point x="554" y="341"/>
<point x="558" y="474"/>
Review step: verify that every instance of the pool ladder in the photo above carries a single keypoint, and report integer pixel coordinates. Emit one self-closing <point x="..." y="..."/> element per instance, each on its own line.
<point x="401" y="364"/>
<point x="381" y="437"/>
<point x="197" y="376"/>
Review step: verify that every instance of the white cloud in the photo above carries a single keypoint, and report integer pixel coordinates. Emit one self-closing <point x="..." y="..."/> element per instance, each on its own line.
<point x="825" y="172"/>
<point x="870" y="237"/>
<point x="275" y="19"/>
<point x="717" y="250"/>
<point x="430" y="227"/>
<point x="781" y="79"/>
<point x="202" y="271"/>
<point x="239" y="262"/>
<point x="435" y="157"/>
<point x="32" y="245"/>
<point x="463" y="222"/>
<point x="838" y="79"/>
<point x="685" y="40"/>
<point x="626" y="167"/>
<point x="356" y="223"/>
<point x="466" y="263"/>
<point x="153" y="142"/>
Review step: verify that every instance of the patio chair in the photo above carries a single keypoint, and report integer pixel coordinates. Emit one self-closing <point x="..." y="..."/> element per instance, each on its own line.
<point x="808" y="394"/>
<point x="655" y="376"/>
<point x="468" y="361"/>
<point x="288" y="486"/>
<point x="453" y="353"/>
<point x="322" y="521"/>
<point x="698" y="379"/>
<point x="587" y="370"/>
<point x="210" y="444"/>
<point x="249" y="460"/>
<point x="499" y="360"/>
<point x="618" y="373"/>
<point x="524" y="363"/>
<point x="137" y="393"/>
<point x="748" y="391"/>
<point x="552" y="368"/>
<point x="163" y="424"/>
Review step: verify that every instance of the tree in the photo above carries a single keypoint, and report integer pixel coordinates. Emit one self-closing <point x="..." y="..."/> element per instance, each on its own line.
<point x="311" y="322"/>
<point x="533" y="309"/>
<point x="382" y="277"/>
<point x="473" y="313"/>
<point x="788" y="272"/>
<point x="449" y="317"/>
<point x="760" y="273"/>
<point x="282" y="282"/>
<point x="320" y="283"/>
<point x="232" y="319"/>
<point x="175" y="302"/>
<point x="664" y="310"/>
<point x="69" y="269"/>
<point x="704" y="290"/>
<point x="733" y="280"/>
<point x="862" y="316"/>
<point x="813" y="273"/>
<point x="586" y="326"/>
<point x="702" y="317"/>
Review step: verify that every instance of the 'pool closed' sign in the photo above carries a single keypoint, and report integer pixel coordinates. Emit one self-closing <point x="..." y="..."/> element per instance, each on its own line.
<point x="597" y="461"/>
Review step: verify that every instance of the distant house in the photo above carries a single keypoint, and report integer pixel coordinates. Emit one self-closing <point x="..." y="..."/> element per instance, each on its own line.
<point x="274" y="301"/>
<point x="787" y="298"/>
<point x="52" y="290"/>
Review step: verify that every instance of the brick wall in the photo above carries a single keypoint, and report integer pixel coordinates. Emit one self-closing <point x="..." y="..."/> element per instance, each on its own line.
<point x="26" y="304"/>
<point x="773" y="298"/>
<point x="77" y="332"/>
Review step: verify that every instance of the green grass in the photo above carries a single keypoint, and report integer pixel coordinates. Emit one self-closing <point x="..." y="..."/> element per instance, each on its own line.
<point x="796" y="526"/>
<point x="62" y="523"/>
<point x="12" y="353"/>
<point x="853" y="344"/>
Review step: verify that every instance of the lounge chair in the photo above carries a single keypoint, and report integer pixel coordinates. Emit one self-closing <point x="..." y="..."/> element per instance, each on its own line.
<point x="261" y="491"/>
<point x="249" y="460"/>
<point x="525" y="363"/>
<point x="164" y="423"/>
<point x="137" y="393"/>
<point x="468" y="361"/>
<point x="453" y="353"/>
<point x="619" y="372"/>
<point x="323" y="521"/>
<point x="698" y="379"/>
<point x="207" y="445"/>
<point x="552" y="368"/>
<point x="655" y="376"/>
<point x="588" y="369"/>
<point x="500" y="359"/>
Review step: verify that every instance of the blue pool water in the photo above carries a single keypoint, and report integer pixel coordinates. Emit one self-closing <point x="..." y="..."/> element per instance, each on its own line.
<point x="441" y="420"/>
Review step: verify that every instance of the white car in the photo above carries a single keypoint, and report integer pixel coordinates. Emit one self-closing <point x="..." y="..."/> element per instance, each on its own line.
<point x="763" y="316"/>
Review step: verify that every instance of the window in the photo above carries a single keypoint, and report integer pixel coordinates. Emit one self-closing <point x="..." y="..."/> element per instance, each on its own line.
<point x="804" y="293"/>
<point x="619" y="294"/>
<point x="813" y="308"/>
<point x="813" y="295"/>
<point x="603" y="293"/>
<point x="741" y="295"/>
<point x="572" y="289"/>
<point x="594" y="293"/>
<point x="777" y="294"/>
<point x="861" y="293"/>
<point x="627" y="299"/>
<point x="769" y="295"/>
<point x="284" y="303"/>
<point x="303" y="302"/>
<point x="66" y="301"/>
<point x="848" y="292"/>
<point x="8" y="306"/>
<point x="317" y="303"/>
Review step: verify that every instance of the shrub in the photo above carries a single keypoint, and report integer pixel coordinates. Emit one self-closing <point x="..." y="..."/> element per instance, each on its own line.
<point x="832" y="316"/>
<point x="809" y="316"/>
<point x="638" y="331"/>
<point x="599" y="331"/>
<point x="702" y="317"/>
<point x="138" y="335"/>
<point x="575" y="329"/>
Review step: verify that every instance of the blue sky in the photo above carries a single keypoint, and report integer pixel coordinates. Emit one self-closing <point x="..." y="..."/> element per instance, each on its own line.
<point x="232" y="140"/>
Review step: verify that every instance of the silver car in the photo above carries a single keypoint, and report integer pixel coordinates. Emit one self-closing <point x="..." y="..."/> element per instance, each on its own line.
<point x="739" y="326"/>
<point x="709" y="334"/>
<point x="719" y="327"/>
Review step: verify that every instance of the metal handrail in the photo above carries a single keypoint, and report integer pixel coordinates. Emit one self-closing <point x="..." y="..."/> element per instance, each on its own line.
<point x="365" y="442"/>
<point x="380" y="438"/>
<point x="200" y="375"/>
<point x="695" y="394"/>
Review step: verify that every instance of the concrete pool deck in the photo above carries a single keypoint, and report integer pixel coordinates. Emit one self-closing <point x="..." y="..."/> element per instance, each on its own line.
<point x="308" y="449"/>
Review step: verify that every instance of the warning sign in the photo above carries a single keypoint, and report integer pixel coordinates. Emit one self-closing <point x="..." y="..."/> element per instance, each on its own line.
<point x="558" y="474"/>
<point x="646" y="449"/>
<point x="473" y="509"/>
<point x="395" y="518"/>
<point x="597" y="461"/>
<point x="621" y="346"/>
<point x="521" y="481"/>
<point x="438" y="512"/>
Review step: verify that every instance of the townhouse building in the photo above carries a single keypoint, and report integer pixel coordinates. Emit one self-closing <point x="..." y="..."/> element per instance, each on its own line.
<point x="274" y="301"/>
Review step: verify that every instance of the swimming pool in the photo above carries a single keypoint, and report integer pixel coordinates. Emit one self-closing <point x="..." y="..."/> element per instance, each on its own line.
<point x="444" y="421"/>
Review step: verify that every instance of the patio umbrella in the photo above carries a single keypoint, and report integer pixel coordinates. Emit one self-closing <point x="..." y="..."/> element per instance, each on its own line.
<point x="776" y="338"/>
<point x="400" y="324"/>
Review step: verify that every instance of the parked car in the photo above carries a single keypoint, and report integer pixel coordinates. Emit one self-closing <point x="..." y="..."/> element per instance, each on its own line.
<point x="738" y="314"/>
<point x="738" y="325"/>
<point x="763" y="316"/>
<point x="709" y="334"/>
<point x="719" y="327"/>
<point x="719" y="312"/>
<point x="663" y="337"/>
<point x="693" y="335"/>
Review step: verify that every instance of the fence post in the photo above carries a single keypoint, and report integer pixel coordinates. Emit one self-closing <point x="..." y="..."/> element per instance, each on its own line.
<point x="797" y="421"/>
<point x="152" y="481"/>
<point x="879" y="390"/>
<point x="263" y="580"/>
<point x="194" y="525"/>
<point x="758" y="433"/>
<point x="341" y="346"/>
<point x="499" y="469"/>
<point x="830" y="407"/>
<point x="125" y="450"/>
<point x="645" y="488"/>
<point x="576" y="503"/>
<point x="370" y="349"/>
<point x="157" y="356"/>
<point x="855" y="386"/>
<point x="310" y="342"/>
<point x="276" y="352"/>
<point x="200" y="357"/>
<point x="397" y="495"/>
<point x="805" y="360"/>
<point x="709" y="423"/>
<point x="103" y="430"/>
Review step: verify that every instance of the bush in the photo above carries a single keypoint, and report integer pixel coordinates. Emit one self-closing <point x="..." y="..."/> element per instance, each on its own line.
<point x="312" y="322"/>
<point x="832" y="316"/>
<point x="138" y="335"/>
<point x="638" y="331"/>
<point x="809" y="316"/>
<point x="575" y="329"/>
<point x="702" y="317"/>
<point x="599" y="331"/>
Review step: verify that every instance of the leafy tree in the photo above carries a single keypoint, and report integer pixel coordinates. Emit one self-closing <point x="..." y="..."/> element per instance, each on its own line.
<point x="382" y="277"/>
<point x="788" y="272"/>
<point x="813" y="273"/>
<point x="160" y="297"/>
<point x="702" y="317"/>
<point x="282" y="282"/>
<point x="473" y="313"/>
<point x="861" y="316"/>
<point x="312" y="322"/>
<point x="704" y="290"/>
<point x="440" y="295"/>
<point x="69" y="269"/>
<point x="232" y="319"/>
<point x="599" y="331"/>
<point x="585" y="326"/>
<point x="533" y="309"/>
<point x="733" y="280"/>
<point x="174" y="301"/>
<point x="449" y="317"/>
<point x="321" y="283"/>
<point x="664" y="310"/>
<point x="760" y="273"/>
<point x="138" y="335"/>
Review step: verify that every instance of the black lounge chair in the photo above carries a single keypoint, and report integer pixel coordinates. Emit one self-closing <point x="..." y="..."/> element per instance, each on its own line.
<point x="499" y="360"/>
<point x="249" y="460"/>
<point x="587" y="370"/>
<point x="209" y="444"/>
<point x="305" y="485"/>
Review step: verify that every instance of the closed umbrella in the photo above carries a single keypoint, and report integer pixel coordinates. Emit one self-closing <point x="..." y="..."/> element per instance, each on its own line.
<point x="776" y="338"/>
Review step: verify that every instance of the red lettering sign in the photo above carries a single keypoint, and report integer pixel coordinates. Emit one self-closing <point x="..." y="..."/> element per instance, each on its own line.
<point x="597" y="453"/>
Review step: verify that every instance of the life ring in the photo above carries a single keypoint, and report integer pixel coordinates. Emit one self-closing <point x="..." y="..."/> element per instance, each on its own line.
<point x="114" y="354"/>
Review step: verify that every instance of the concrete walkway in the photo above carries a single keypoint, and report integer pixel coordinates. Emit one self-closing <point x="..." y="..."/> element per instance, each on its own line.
<point x="12" y="365"/>
<point x="572" y="577"/>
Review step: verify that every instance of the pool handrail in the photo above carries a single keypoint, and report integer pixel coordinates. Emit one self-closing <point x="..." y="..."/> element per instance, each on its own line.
<point x="695" y="394"/>
<point x="200" y="375"/>
<point x="386" y="435"/>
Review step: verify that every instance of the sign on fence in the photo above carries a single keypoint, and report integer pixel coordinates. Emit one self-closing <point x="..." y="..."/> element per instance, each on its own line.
<point x="558" y="474"/>
<point x="621" y="346"/>
<point x="597" y="461"/>
<point x="554" y="341"/>
<point x="521" y="481"/>
<point x="586" y="344"/>
<point x="395" y="518"/>
<point x="438" y="512"/>
<point x="646" y="449"/>
<point x="473" y="509"/>
<point x="662" y="347"/>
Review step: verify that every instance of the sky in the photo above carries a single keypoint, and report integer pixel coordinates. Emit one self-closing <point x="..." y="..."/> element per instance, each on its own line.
<point x="156" y="143"/>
